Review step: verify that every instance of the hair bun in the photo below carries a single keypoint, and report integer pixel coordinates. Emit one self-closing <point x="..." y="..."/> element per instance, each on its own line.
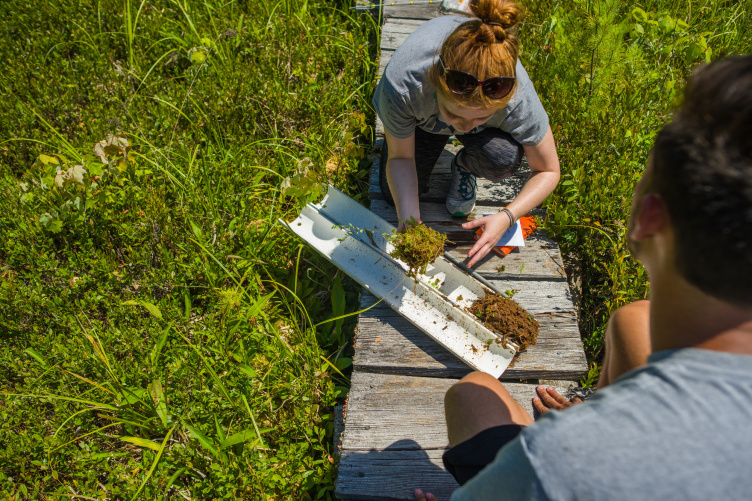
<point x="501" y="14"/>
<point x="499" y="33"/>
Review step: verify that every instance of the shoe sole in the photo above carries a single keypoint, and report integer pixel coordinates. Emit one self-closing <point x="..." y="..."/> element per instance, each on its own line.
<point x="460" y="213"/>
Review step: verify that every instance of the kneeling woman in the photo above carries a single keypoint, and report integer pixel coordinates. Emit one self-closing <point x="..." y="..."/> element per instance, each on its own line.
<point x="454" y="76"/>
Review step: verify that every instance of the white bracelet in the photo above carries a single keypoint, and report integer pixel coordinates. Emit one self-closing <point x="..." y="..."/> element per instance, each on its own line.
<point x="508" y="212"/>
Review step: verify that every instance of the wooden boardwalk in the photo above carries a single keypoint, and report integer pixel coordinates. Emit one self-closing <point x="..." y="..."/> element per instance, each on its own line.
<point x="395" y="431"/>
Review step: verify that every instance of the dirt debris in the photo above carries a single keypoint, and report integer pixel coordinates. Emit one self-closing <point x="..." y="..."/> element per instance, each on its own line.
<point x="508" y="319"/>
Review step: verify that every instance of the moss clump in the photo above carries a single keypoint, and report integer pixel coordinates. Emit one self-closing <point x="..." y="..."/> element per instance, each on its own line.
<point x="418" y="246"/>
<point x="508" y="319"/>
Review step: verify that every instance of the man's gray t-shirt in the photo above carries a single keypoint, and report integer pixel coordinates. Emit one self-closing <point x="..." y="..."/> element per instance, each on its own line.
<point x="405" y="98"/>
<point x="678" y="428"/>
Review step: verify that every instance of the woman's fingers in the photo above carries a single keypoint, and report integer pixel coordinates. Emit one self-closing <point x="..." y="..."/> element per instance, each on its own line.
<point x="474" y="223"/>
<point x="480" y="254"/>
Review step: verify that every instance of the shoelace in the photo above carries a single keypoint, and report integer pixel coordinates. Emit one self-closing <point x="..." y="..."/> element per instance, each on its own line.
<point x="467" y="186"/>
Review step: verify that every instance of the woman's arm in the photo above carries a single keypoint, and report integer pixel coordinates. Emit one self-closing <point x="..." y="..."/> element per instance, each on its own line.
<point x="544" y="176"/>
<point x="402" y="177"/>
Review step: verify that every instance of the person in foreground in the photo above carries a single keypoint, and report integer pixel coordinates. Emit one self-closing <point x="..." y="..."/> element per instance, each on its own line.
<point x="672" y="414"/>
<point x="461" y="77"/>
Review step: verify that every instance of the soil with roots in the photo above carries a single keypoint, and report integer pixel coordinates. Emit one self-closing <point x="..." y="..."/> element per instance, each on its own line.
<point x="508" y="319"/>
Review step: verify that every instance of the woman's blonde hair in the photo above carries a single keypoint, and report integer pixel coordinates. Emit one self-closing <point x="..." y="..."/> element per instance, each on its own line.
<point x="485" y="47"/>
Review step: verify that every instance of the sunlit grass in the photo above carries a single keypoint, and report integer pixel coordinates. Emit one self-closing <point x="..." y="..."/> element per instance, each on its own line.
<point x="156" y="321"/>
<point x="609" y="75"/>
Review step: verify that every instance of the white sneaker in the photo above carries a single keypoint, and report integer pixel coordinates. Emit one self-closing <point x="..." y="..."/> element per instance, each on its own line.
<point x="461" y="197"/>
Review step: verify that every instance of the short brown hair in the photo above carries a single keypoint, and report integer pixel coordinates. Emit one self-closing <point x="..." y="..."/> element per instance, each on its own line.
<point x="486" y="47"/>
<point x="702" y="169"/>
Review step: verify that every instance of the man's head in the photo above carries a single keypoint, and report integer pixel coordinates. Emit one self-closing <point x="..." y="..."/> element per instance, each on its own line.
<point x="701" y="172"/>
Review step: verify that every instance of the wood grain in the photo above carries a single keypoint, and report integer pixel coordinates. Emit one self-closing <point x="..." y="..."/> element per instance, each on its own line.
<point x="396" y="434"/>
<point x="415" y="11"/>
<point x="388" y="343"/>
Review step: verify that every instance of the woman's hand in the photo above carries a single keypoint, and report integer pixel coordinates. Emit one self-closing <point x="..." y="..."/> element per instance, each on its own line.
<point x="494" y="227"/>
<point x="410" y="222"/>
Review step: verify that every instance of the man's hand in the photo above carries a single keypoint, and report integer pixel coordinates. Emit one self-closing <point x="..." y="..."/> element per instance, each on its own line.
<point x="419" y="496"/>
<point x="494" y="227"/>
<point x="549" y="398"/>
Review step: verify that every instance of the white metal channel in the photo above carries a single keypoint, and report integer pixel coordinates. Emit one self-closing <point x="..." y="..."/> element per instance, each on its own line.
<point x="436" y="303"/>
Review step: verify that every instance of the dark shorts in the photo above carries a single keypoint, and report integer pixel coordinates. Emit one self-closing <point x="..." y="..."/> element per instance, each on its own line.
<point x="465" y="460"/>
<point x="491" y="154"/>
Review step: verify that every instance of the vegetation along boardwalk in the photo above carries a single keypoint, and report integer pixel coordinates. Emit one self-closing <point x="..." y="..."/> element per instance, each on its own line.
<point x="394" y="425"/>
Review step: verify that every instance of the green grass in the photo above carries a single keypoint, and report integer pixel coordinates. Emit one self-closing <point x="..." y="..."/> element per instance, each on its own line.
<point x="157" y="324"/>
<point x="609" y="74"/>
<point x="161" y="336"/>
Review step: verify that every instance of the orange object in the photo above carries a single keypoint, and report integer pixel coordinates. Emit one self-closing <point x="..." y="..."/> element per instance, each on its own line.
<point x="528" y="226"/>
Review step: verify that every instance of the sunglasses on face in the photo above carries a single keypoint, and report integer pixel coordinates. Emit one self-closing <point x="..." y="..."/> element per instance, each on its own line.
<point x="463" y="83"/>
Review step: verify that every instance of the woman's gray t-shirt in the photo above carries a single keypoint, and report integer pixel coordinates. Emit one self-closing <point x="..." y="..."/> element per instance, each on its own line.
<point x="405" y="98"/>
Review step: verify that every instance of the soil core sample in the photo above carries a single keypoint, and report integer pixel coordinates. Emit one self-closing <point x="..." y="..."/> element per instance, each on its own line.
<point x="508" y="319"/>
<point x="418" y="246"/>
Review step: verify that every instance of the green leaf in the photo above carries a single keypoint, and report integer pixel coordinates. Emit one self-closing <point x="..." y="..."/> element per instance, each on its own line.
<point x="96" y="168"/>
<point x="141" y="442"/>
<point x="239" y="438"/>
<point x="160" y="344"/>
<point x="198" y="57"/>
<point x="259" y="305"/>
<point x="203" y="440"/>
<point x="46" y="160"/>
<point x="37" y="357"/>
<point x="343" y="363"/>
<point x="55" y="226"/>
<point x="639" y="14"/>
<point x="131" y="396"/>
<point x="197" y="230"/>
<point x="693" y="52"/>
<point x="148" y="306"/>
<point x="157" y="394"/>
<point x="248" y="370"/>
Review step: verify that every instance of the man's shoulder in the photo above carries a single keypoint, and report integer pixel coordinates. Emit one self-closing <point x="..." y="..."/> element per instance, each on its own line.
<point x="661" y="423"/>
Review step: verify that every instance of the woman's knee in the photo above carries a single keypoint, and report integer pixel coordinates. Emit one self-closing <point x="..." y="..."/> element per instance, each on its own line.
<point x="491" y="156"/>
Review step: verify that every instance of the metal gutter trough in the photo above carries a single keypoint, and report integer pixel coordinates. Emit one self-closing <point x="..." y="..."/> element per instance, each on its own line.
<point x="354" y="239"/>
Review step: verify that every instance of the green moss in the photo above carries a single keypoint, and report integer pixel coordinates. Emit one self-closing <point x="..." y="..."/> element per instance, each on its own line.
<point x="418" y="246"/>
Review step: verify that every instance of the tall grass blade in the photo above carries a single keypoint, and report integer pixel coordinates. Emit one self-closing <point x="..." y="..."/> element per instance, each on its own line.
<point x="154" y="464"/>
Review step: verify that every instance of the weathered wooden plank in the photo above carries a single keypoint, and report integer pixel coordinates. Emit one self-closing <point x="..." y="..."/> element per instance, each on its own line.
<point x="488" y="192"/>
<point x="384" y="58"/>
<point x="390" y="412"/>
<point x="397" y="25"/>
<point x="539" y="259"/>
<point x="415" y="11"/>
<point x="392" y="475"/>
<point x="413" y="353"/>
<point x="395" y="436"/>
<point x="387" y="343"/>
<point x="392" y="40"/>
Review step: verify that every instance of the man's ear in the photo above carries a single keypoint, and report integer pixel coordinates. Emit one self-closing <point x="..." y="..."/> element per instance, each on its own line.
<point x="651" y="218"/>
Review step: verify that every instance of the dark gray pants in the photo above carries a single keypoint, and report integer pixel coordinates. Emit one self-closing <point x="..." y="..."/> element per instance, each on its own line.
<point x="491" y="154"/>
